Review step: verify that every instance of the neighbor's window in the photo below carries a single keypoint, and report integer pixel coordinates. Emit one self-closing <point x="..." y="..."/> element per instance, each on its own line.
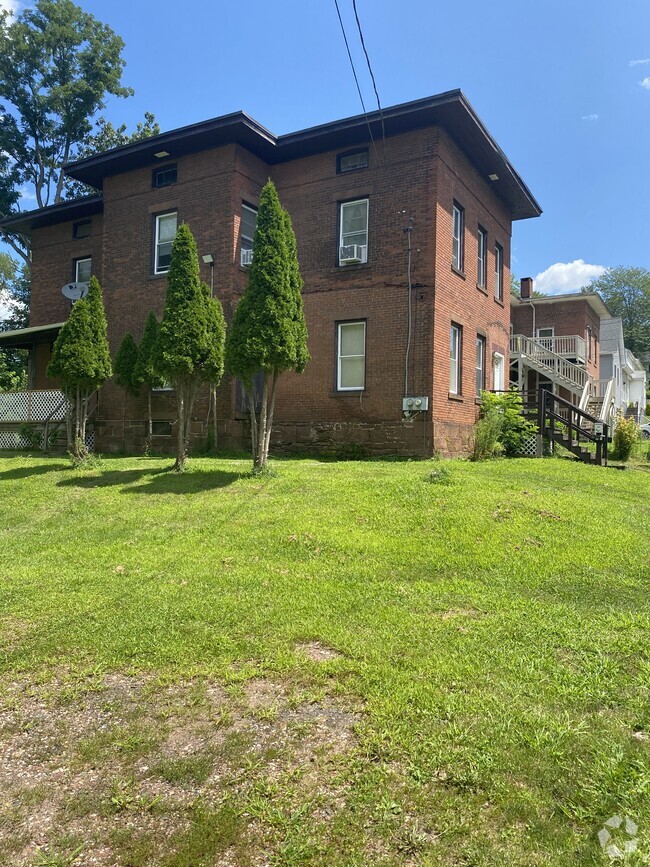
<point x="546" y="332"/>
<point x="353" y="240"/>
<point x="81" y="229"/>
<point x="498" y="272"/>
<point x="482" y="258"/>
<point x="165" y="233"/>
<point x="455" y="350"/>
<point x="161" y="428"/>
<point x="350" y="162"/>
<point x="351" y="367"/>
<point x="247" y="233"/>
<point x="83" y="270"/>
<point x="480" y="364"/>
<point x="457" y="250"/>
<point x="164" y="176"/>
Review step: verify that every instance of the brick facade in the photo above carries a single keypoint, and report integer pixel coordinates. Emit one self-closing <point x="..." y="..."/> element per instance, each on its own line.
<point x="415" y="174"/>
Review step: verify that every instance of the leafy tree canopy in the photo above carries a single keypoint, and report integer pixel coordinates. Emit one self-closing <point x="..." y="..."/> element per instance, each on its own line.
<point x="626" y="291"/>
<point x="145" y="372"/>
<point x="126" y="362"/>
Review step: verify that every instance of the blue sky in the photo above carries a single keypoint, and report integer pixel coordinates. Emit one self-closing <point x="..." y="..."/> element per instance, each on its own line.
<point x="563" y="86"/>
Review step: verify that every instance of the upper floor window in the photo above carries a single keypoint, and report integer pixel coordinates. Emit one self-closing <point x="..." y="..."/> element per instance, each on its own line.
<point x="546" y="332"/>
<point x="247" y="233"/>
<point x="164" y="176"/>
<point x="498" y="272"/>
<point x="83" y="270"/>
<point x="351" y="365"/>
<point x="482" y="258"/>
<point x="81" y="229"/>
<point x="353" y="239"/>
<point x="455" y="355"/>
<point x="351" y="161"/>
<point x="457" y="250"/>
<point x="166" y="225"/>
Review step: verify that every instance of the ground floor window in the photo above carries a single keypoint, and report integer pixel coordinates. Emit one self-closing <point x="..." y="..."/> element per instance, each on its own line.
<point x="480" y="364"/>
<point x="351" y="352"/>
<point x="455" y="354"/>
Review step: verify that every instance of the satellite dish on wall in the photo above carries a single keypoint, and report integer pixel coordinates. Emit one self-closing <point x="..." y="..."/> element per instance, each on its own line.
<point x="75" y="291"/>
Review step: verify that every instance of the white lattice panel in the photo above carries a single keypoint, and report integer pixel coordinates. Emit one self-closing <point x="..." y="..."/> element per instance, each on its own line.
<point x="31" y="405"/>
<point x="529" y="447"/>
<point x="11" y="440"/>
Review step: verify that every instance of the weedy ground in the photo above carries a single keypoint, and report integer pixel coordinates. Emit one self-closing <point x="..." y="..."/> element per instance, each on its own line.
<point x="386" y="663"/>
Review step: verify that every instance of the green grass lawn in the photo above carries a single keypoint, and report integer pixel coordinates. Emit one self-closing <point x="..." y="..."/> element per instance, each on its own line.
<point x="389" y="663"/>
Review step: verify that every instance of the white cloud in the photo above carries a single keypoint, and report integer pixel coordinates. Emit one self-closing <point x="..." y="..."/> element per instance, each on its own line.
<point x="563" y="277"/>
<point x="10" y="5"/>
<point x="590" y="117"/>
<point x="26" y="195"/>
<point x="639" y="62"/>
<point x="645" y="82"/>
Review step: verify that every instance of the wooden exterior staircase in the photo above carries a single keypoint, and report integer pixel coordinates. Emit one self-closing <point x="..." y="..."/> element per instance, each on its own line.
<point x="536" y="354"/>
<point x="561" y="422"/>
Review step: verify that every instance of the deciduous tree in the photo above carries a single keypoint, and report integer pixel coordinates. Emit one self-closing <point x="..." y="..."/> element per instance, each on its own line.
<point x="626" y="291"/>
<point x="268" y="334"/>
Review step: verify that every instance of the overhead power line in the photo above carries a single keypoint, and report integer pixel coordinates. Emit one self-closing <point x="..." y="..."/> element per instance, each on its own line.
<point x="372" y="76"/>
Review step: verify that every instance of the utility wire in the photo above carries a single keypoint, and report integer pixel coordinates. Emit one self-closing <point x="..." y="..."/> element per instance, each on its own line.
<point x="356" y="79"/>
<point x="372" y="76"/>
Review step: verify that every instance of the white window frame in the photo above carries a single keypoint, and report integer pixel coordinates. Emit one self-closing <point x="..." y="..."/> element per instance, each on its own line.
<point x="498" y="363"/>
<point x="482" y="341"/>
<point x="481" y="273"/>
<point x="364" y="247"/>
<point x="455" y="361"/>
<point x="76" y="268"/>
<point x="458" y="236"/>
<point x="550" y="328"/>
<point x="159" y="217"/>
<point x="340" y="327"/>
<point x="246" y="253"/>
<point x="498" y="272"/>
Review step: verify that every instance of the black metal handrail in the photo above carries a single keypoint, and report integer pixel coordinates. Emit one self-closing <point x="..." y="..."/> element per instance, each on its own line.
<point x="571" y="417"/>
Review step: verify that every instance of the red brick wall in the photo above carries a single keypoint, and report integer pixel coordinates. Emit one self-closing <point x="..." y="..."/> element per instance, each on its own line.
<point x="417" y="175"/>
<point x="458" y="299"/>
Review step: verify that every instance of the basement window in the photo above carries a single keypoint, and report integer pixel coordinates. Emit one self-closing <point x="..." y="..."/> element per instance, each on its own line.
<point x="161" y="428"/>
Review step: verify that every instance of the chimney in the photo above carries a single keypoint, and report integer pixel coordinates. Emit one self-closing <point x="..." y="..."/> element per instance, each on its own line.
<point x="526" y="286"/>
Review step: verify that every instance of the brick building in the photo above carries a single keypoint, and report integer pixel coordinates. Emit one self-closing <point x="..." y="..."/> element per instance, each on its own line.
<point x="383" y="324"/>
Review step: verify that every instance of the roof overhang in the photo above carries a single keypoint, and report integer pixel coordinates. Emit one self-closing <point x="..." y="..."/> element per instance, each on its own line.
<point x="593" y="299"/>
<point x="450" y="110"/>
<point x="75" y="209"/>
<point x="24" y="338"/>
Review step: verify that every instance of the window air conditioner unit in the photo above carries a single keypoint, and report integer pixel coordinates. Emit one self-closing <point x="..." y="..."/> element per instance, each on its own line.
<point x="247" y="257"/>
<point x="352" y="254"/>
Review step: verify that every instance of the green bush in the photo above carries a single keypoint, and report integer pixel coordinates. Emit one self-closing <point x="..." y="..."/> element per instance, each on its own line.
<point x="626" y="433"/>
<point x="487" y="435"/>
<point x="440" y="476"/>
<point x="515" y="429"/>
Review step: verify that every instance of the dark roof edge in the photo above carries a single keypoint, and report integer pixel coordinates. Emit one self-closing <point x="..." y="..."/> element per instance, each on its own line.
<point x="85" y="203"/>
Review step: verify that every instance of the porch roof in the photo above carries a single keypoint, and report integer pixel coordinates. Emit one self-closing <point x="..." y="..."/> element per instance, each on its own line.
<point x="23" y="338"/>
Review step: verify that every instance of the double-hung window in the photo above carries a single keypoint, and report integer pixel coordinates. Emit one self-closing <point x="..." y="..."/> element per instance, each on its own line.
<point x="455" y="354"/>
<point x="498" y="272"/>
<point x="83" y="270"/>
<point x="351" y="351"/>
<point x="165" y="233"/>
<point x="458" y="231"/>
<point x="353" y="238"/>
<point x="480" y="364"/>
<point x="481" y="272"/>
<point x="247" y="233"/>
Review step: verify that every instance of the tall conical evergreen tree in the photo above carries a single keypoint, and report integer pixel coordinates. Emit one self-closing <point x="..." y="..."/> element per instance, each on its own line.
<point x="82" y="362"/>
<point x="268" y="332"/>
<point x="145" y="372"/>
<point x="126" y="362"/>
<point x="189" y="348"/>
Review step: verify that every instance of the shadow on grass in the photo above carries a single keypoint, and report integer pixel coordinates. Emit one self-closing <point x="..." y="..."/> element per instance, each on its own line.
<point x="159" y="481"/>
<point x="36" y="470"/>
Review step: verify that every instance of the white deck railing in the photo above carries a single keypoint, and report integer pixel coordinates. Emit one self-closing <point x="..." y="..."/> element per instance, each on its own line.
<point x="570" y="346"/>
<point x="553" y="365"/>
<point x="16" y="406"/>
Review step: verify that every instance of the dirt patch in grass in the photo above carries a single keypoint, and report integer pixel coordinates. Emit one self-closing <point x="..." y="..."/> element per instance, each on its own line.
<point x="123" y="768"/>
<point x="317" y="652"/>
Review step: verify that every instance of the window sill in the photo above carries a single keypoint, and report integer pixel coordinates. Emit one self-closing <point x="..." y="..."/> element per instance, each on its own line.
<point x="351" y="267"/>
<point x="500" y="303"/>
<point x="351" y="393"/>
<point x="457" y="397"/>
<point x="482" y="290"/>
<point x="458" y="273"/>
<point x="157" y="276"/>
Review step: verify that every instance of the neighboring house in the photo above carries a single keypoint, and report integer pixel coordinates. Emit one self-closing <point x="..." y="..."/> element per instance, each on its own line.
<point x="384" y="325"/>
<point x="555" y="342"/>
<point x="628" y="372"/>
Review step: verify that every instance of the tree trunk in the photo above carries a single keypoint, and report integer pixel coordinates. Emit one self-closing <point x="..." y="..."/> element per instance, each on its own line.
<point x="267" y="441"/>
<point x="149" y="421"/>
<point x="181" y="454"/>
<point x="126" y="397"/>
<point x="251" y="407"/>
<point x="214" y="414"/>
<point x="258" y="458"/>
